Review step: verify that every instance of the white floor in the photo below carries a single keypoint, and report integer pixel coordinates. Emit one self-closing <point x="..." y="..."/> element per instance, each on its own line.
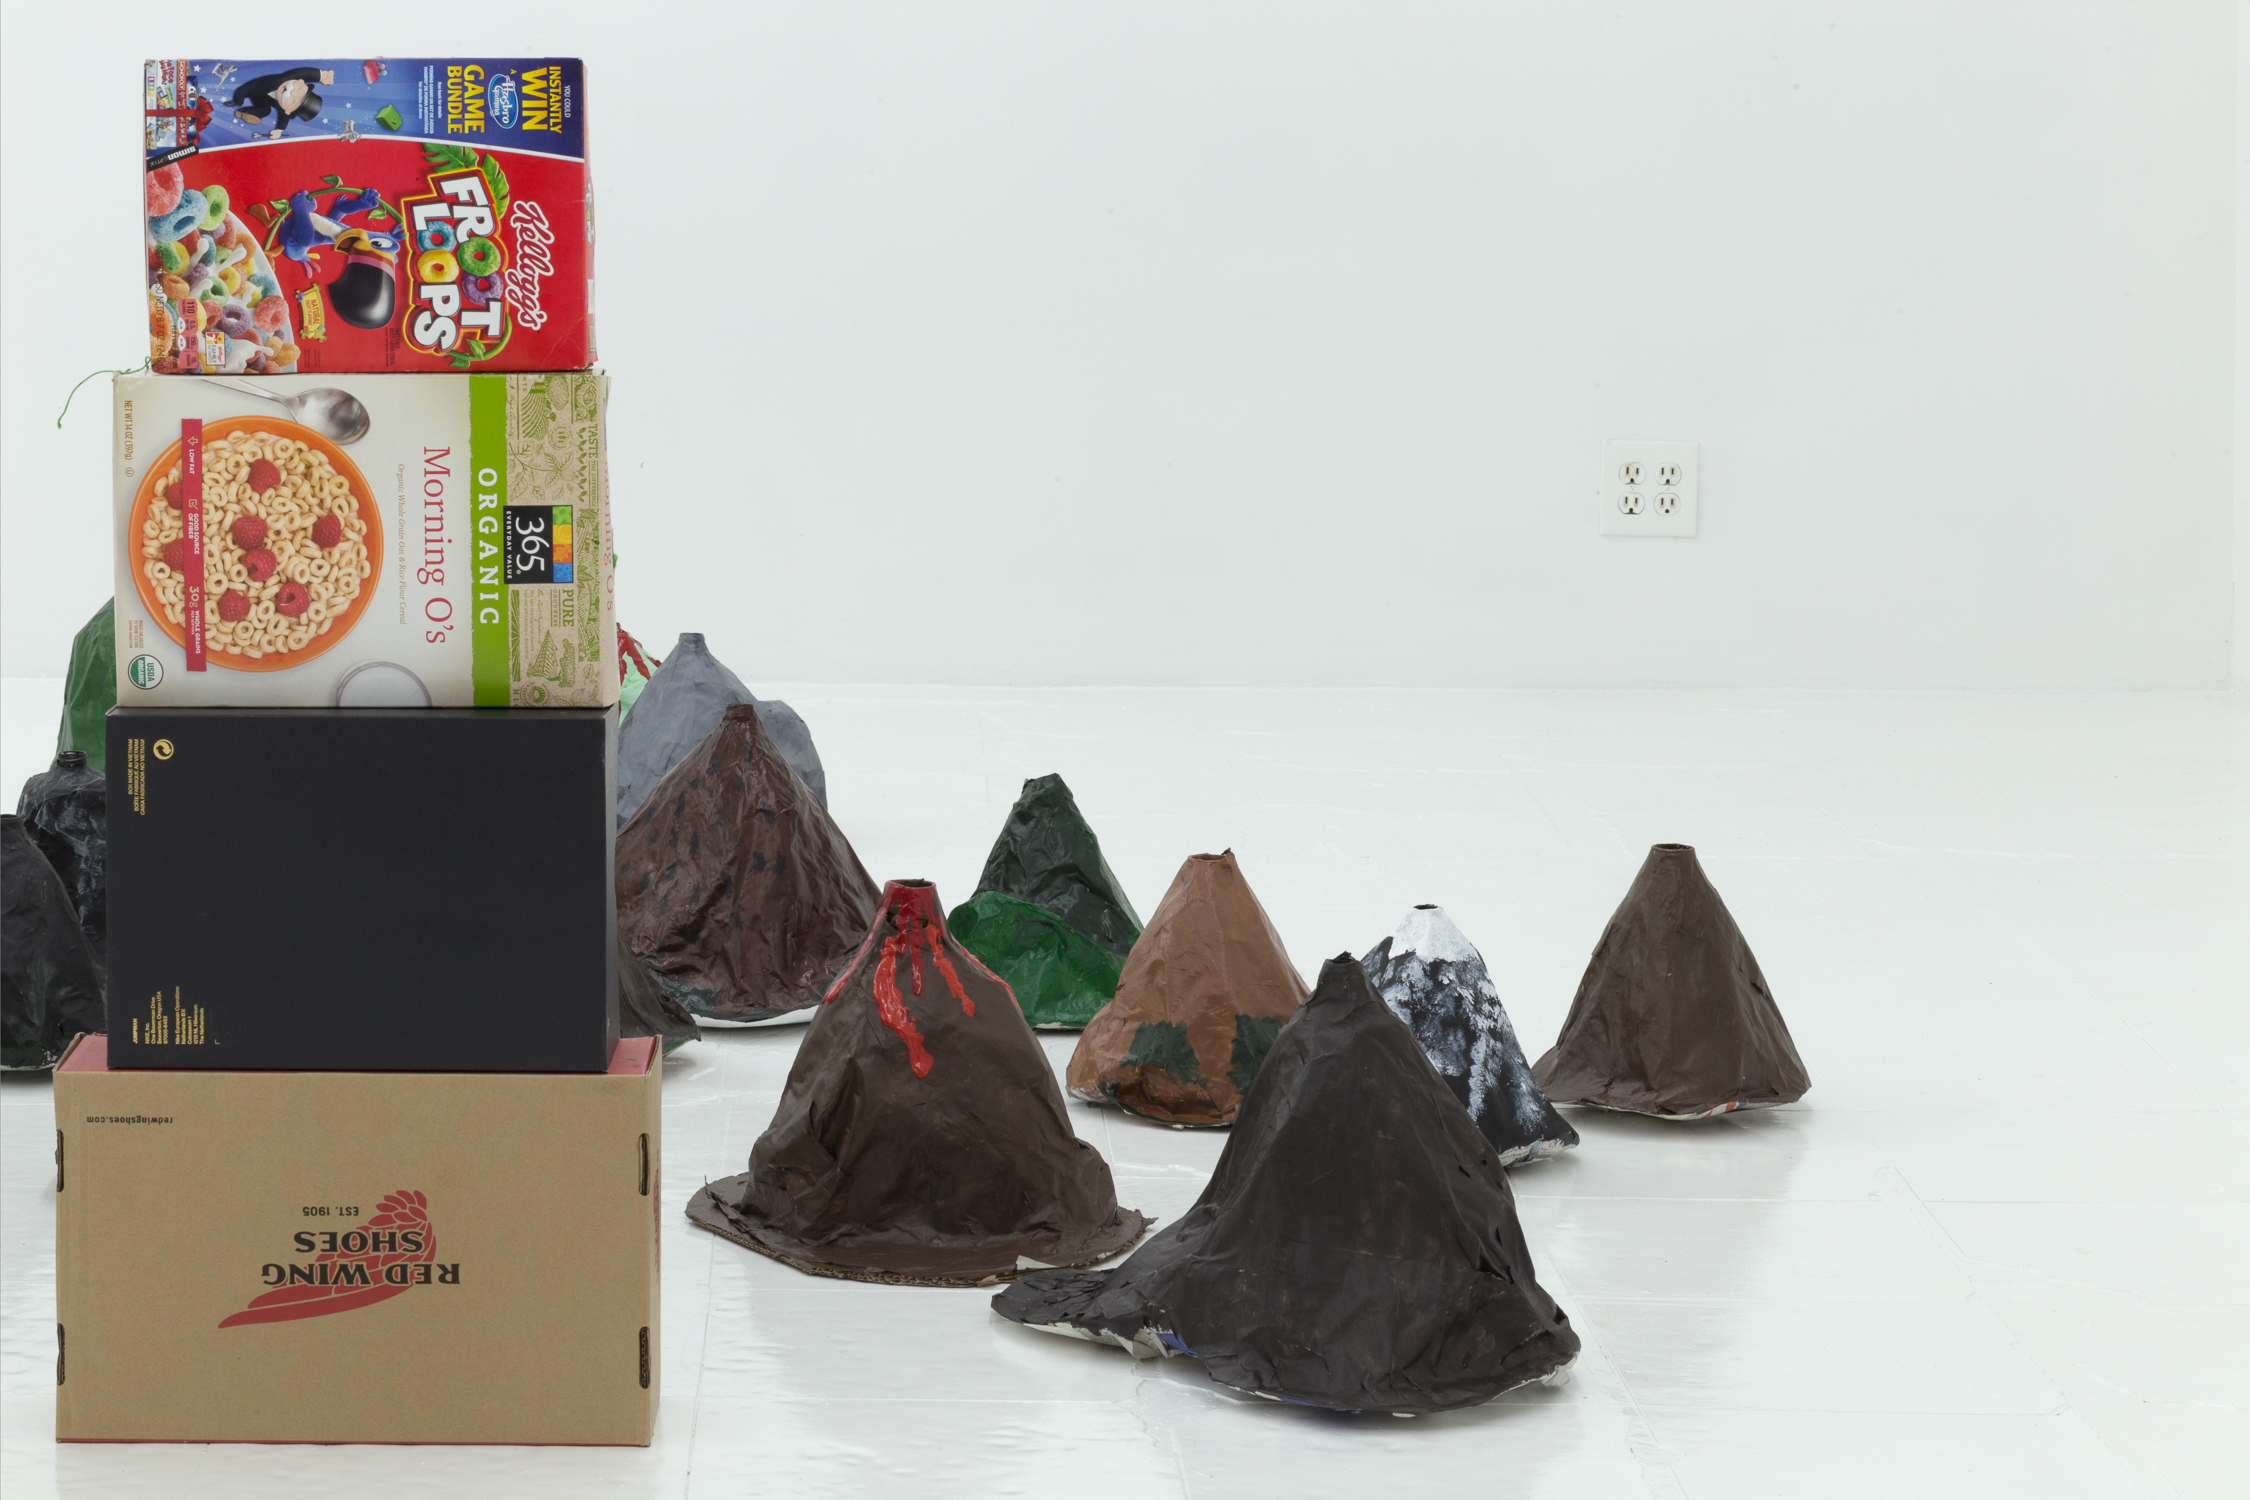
<point x="1999" y="1250"/>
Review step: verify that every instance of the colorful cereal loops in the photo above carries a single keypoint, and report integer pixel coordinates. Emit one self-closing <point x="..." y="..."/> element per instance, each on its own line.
<point x="437" y="266"/>
<point x="184" y="217"/>
<point x="435" y="236"/>
<point x="480" y="256"/>
<point x="321" y="581"/>
<point x="164" y="186"/>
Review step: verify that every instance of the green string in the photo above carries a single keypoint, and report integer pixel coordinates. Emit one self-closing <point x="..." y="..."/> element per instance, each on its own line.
<point x="74" y="389"/>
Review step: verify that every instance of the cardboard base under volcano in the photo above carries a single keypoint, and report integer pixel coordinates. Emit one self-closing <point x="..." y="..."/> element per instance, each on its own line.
<point x="799" y="1017"/>
<point x="704" y="1213"/>
<point x="1145" y="1345"/>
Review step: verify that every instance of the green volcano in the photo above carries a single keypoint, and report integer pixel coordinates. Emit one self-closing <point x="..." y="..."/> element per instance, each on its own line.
<point x="1059" y="977"/>
<point x="1049" y="915"/>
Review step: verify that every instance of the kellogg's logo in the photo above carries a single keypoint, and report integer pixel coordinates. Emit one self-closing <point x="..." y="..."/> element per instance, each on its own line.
<point x="396" y="1249"/>
<point x="500" y="101"/>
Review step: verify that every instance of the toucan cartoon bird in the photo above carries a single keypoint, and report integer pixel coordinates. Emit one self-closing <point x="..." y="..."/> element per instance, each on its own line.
<point x="367" y="293"/>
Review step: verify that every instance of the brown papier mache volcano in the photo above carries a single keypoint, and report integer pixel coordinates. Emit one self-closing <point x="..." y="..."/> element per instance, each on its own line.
<point x="1356" y="1248"/>
<point x="1202" y="995"/>
<point x="734" y="883"/>
<point x="1673" y="1018"/>
<point x="921" y="1138"/>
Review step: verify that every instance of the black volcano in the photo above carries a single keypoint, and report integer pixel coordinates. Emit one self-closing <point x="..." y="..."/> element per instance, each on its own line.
<point x="65" y="809"/>
<point x="50" y="988"/>
<point x="1357" y="1247"/>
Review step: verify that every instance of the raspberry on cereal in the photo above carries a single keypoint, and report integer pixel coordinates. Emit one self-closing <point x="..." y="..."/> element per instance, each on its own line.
<point x="249" y="532"/>
<point x="327" y="531"/>
<point x="291" y="600"/>
<point x="262" y="562"/>
<point x="175" y="555"/>
<point x="234" y="605"/>
<point x="263" y="476"/>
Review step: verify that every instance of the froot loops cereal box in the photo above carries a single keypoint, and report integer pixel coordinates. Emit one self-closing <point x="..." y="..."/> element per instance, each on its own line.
<point x="362" y="216"/>
<point x="369" y="541"/>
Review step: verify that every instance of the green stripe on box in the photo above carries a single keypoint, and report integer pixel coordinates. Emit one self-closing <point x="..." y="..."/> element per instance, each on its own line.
<point x="488" y="596"/>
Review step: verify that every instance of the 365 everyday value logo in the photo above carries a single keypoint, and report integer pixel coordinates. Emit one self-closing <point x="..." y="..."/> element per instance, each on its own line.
<point x="394" y="1251"/>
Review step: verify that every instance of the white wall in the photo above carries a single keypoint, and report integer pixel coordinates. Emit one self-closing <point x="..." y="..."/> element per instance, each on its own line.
<point x="2242" y="348"/>
<point x="1216" y="343"/>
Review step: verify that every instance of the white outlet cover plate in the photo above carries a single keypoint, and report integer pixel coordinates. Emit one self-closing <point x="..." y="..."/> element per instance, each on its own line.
<point x="1647" y="489"/>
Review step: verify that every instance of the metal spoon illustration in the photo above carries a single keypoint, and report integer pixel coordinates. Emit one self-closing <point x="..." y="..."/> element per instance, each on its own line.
<point x="335" y="415"/>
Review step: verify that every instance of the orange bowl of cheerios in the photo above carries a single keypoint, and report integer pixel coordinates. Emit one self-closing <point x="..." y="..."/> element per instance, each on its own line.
<point x="291" y="538"/>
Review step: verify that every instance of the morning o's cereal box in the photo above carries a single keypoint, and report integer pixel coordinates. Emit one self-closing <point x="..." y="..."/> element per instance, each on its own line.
<point x="364" y="541"/>
<point x="368" y="215"/>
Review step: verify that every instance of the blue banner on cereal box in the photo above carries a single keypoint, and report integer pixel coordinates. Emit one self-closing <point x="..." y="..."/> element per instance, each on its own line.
<point x="505" y="103"/>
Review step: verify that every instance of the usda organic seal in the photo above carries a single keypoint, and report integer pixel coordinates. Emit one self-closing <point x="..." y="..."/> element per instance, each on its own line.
<point x="144" y="671"/>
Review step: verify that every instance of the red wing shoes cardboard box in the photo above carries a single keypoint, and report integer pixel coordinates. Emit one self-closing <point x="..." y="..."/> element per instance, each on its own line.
<point x="356" y="1257"/>
<point x="429" y="889"/>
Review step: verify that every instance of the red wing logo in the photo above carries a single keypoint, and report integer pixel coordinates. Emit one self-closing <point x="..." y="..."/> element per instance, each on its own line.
<point x="369" y="1264"/>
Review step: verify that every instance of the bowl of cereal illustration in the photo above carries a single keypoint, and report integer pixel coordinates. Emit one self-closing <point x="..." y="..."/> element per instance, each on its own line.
<point x="290" y="538"/>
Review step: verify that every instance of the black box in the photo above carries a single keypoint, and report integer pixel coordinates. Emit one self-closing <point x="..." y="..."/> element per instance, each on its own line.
<point x="425" y="889"/>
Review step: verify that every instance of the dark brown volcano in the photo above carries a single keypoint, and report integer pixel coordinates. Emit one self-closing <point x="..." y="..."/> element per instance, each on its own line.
<point x="1357" y="1246"/>
<point x="921" y="1138"/>
<point x="734" y="883"/>
<point x="1673" y="1017"/>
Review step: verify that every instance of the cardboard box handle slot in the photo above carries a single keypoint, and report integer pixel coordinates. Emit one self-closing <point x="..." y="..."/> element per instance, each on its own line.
<point x="644" y="1357"/>
<point x="644" y="1174"/>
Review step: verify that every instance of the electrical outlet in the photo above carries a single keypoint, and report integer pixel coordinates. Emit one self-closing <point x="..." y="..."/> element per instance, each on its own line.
<point x="1647" y="489"/>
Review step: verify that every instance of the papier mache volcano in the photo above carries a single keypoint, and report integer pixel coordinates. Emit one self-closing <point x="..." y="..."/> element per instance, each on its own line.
<point x="1356" y="1248"/>
<point x="644" y="1009"/>
<point x="65" y="809"/>
<point x="90" y="687"/>
<point x="734" y="883"/>
<point x="50" y="986"/>
<point x="677" y="711"/>
<point x="1433" y="979"/>
<point x="1047" y="854"/>
<point x="921" y="1138"/>
<point x="1049" y="916"/>
<point x="1201" y="997"/>
<point x="1673" y="1017"/>
<point x="1056" y="973"/>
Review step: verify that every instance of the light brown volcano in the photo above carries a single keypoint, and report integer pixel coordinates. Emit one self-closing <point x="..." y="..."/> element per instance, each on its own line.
<point x="1205" y="990"/>
<point x="1673" y="1017"/>
<point x="735" y="884"/>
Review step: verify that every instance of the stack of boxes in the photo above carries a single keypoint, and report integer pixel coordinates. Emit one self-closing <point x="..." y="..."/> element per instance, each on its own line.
<point x="362" y="1157"/>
